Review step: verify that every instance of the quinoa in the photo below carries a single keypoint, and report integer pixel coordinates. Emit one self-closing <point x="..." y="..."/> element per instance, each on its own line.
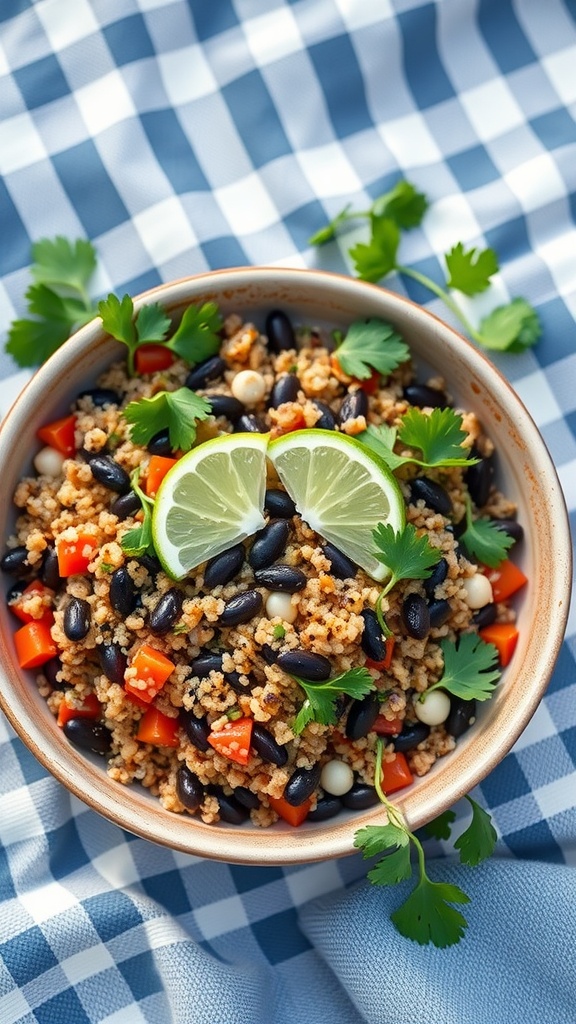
<point x="244" y="680"/>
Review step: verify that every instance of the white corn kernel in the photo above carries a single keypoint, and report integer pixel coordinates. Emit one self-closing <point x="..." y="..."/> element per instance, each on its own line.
<point x="434" y="709"/>
<point x="478" y="591"/>
<point x="249" y="387"/>
<point x="278" y="603"/>
<point x="49" y="462"/>
<point x="337" y="778"/>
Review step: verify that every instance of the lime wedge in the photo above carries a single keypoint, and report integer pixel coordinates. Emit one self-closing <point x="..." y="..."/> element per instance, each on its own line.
<point x="210" y="500"/>
<point x="341" y="489"/>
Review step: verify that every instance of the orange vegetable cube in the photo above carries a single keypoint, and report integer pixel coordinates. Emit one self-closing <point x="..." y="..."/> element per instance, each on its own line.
<point x="153" y="668"/>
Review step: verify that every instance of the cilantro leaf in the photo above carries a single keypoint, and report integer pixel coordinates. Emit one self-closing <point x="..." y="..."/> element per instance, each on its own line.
<point x="64" y="264"/>
<point x="376" y="259"/>
<point x="373" y="839"/>
<point x="31" y="342"/>
<point x="178" y="411"/>
<point x="321" y="697"/>
<point x="470" y="271"/>
<point x="478" y="841"/>
<point x="403" y="204"/>
<point x="371" y="345"/>
<point x="408" y="555"/>
<point x="484" y="540"/>
<point x="151" y="324"/>
<point x="439" y="436"/>
<point x="197" y="336"/>
<point x="427" y="917"/>
<point x="381" y="440"/>
<point x="471" y="668"/>
<point x="510" y="328"/>
<point x="330" y="230"/>
<point x="393" y="868"/>
<point x="440" y="827"/>
<point x="138" y="540"/>
<point x="117" y="319"/>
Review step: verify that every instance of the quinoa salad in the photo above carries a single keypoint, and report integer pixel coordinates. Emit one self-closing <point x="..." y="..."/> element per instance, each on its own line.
<point x="192" y="687"/>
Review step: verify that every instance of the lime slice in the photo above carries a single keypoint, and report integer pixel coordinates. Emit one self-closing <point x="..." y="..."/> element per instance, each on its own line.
<point x="210" y="500"/>
<point x="341" y="489"/>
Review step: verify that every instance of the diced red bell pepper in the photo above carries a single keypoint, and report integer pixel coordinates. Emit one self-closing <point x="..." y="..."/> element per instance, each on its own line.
<point x="371" y="384"/>
<point x="59" y="435"/>
<point x="152" y="358"/>
<point x="158" y="466"/>
<point x="233" y="741"/>
<point x="396" y="774"/>
<point x="293" y="815"/>
<point x="156" y="728"/>
<point x="34" y="644"/>
<point x="74" y="556"/>
<point x="506" y="579"/>
<point x="36" y="586"/>
<point x="153" y="668"/>
<point x="504" y="636"/>
<point x="383" y="665"/>
<point x="90" y="708"/>
<point x="385" y="727"/>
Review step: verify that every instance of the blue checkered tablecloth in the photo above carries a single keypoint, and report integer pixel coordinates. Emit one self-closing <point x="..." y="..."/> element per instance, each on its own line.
<point x="187" y="135"/>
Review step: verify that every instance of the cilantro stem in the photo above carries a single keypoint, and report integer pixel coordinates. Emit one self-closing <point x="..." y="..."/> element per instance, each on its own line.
<point x="380" y="615"/>
<point x="442" y="294"/>
<point x="392" y="811"/>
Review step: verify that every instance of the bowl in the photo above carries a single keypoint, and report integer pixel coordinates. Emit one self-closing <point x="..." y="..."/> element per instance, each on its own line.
<point x="529" y="479"/>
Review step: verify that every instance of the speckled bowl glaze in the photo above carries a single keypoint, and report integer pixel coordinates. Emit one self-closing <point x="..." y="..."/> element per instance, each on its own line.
<point x="528" y="477"/>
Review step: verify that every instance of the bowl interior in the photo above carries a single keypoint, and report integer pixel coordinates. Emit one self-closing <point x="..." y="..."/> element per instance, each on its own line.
<point x="524" y="468"/>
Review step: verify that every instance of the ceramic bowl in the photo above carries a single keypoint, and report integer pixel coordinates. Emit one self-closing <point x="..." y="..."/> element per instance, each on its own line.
<point x="528" y="477"/>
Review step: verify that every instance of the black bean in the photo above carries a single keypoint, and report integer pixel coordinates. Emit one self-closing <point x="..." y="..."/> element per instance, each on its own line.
<point x="231" y="810"/>
<point x="189" y="789"/>
<point x="432" y="494"/>
<point x="225" y="405"/>
<point x="485" y="616"/>
<point x="462" y="716"/>
<point x="241" y="608"/>
<point x="88" y="734"/>
<point x="284" y="578"/>
<point x="266" y="746"/>
<point x="246" y="797"/>
<point x="438" y="575"/>
<point x="196" y="729"/>
<point x="50" y="670"/>
<point x="327" y="807"/>
<point x="512" y="527"/>
<point x="209" y="369"/>
<point x="279" y="332"/>
<point x="416" y="616"/>
<point x="166" y="612"/>
<point x="269" y="654"/>
<point x="362" y="715"/>
<point x="360" y="797"/>
<point x="76" y="619"/>
<point x="251" y="424"/>
<point x="234" y="679"/>
<point x="355" y="404"/>
<point x="439" y="612"/>
<point x="207" y="662"/>
<point x="340" y="565"/>
<point x="479" y="480"/>
<point x="224" y="567"/>
<point x="305" y="664"/>
<point x="126" y="505"/>
<point x="50" y="574"/>
<point x="285" y="390"/>
<point x="87" y="455"/>
<point x="269" y="544"/>
<point x="102" y="396"/>
<point x="110" y="474"/>
<point x="123" y="592"/>
<point x="160" y="444"/>
<point x="412" y="734"/>
<point x="151" y="563"/>
<point x="113" y="661"/>
<point x="425" y="396"/>
<point x="16" y="591"/>
<point x="327" y="419"/>
<point x="279" y="504"/>
<point x="301" y="785"/>
<point x="373" y="643"/>
<point x="13" y="562"/>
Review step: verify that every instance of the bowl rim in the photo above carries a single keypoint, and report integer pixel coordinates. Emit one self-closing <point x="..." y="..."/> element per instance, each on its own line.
<point x="238" y="845"/>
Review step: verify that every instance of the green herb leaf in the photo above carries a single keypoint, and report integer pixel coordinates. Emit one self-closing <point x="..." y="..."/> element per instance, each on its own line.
<point x="427" y="917"/>
<point x="320" y="697"/>
<point x="279" y="632"/>
<point x="440" y="827"/>
<point x="510" y="328"/>
<point x="439" y="436"/>
<point x="382" y="440"/>
<point x="375" y="260"/>
<point x="371" y="345"/>
<point x="372" y="839"/>
<point x="403" y="204"/>
<point x="197" y="336"/>
<point x="330" y="230"/>
<point x="138" y="541"/>
<point x="471" y="668"/>
<point x="470" y="271"/>
<point x="478" y="841"/>
<point x="484" y="540"/>
<point x="151" y="324"/>
<point x="117" y="319"/>
<point x="31" y="342"/>
<point x="177" y="411"/>
<point x="407" y="555"/>
<point x="63" y="264"/>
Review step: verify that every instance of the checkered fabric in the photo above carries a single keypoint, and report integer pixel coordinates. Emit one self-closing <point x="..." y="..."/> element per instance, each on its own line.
<point x="187" y="135"/>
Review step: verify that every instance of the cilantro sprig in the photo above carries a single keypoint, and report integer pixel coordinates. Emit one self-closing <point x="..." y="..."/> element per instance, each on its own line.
<point x="471" y="669"/>
<point x="319" y="705"/>
<point x="176" y="411"/>
<point x="439" y="437"/>
<point x="407" y="555"/>
<point x="58" y="301"/>
<point x="427" y="916"/>
<point x="512" y="327"/>
<point x="138" y="541"/>
<point x="371" y="345"/>
<point x="484" y="540"/>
